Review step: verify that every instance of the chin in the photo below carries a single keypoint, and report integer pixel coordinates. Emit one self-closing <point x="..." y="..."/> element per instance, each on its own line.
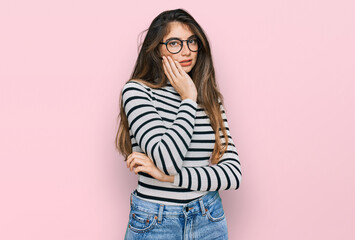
<point x="188" y="68"/>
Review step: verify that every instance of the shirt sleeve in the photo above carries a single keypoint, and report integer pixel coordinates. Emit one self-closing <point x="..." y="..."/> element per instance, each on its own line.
<point x="226" y="174"/>
<point x="167" y="147"/>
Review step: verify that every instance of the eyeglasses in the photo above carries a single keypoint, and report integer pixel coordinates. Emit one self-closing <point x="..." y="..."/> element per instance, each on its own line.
<point x="175" y="45"/>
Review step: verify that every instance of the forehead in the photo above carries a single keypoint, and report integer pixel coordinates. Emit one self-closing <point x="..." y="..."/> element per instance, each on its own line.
<point x="179" y="30"/>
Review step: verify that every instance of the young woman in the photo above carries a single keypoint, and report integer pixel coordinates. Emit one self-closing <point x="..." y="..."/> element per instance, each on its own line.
<point x="172" y="123"/>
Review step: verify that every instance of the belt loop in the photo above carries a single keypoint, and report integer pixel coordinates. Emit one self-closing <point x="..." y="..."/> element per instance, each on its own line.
<point x="160" y="214"/>
<point x="130" y="200"/>
<point x="202" y="207"/>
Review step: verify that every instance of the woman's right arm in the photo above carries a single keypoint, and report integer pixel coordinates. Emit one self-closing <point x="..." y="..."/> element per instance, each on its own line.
<point x="167" y="147"/>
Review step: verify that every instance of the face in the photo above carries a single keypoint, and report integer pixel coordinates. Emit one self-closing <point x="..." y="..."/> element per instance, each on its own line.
<point x="181" y="31"/>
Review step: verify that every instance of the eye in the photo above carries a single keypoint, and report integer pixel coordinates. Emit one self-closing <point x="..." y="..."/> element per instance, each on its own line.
<point x="173" y="43"/>
<point x="193" y="41"/>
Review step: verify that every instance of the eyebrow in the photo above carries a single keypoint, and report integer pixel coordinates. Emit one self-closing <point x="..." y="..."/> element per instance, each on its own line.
<point x="194" y="35"/>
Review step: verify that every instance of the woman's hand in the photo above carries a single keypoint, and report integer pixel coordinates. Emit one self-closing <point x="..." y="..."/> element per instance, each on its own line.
<point x="142" y="163"/>
<point x="179" y="79"/>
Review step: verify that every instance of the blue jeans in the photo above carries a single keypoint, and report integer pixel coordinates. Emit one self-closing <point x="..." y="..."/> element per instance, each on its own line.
<point x="202" y="218"/>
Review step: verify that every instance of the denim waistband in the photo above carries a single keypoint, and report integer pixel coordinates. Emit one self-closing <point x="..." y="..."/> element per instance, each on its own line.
<point x="197" y="205"/>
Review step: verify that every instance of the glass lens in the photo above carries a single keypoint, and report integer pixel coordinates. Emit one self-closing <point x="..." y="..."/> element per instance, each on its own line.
<point x="174" y="46"/>
<point x="193" y="44"/>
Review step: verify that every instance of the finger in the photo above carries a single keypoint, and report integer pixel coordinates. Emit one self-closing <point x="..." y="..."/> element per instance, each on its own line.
<point x="166" y="72"/>
<point x="143" y="155"/>
<point x="168" y="66"/>
<point x="132" y="164"/>
<point x="139" y="169"/>
<point x="179" y="67"/>
<point x="134" y="167"/>
<point x="144" y="160"/>
<point x="138" y="158"/>
<point x="139" y="154"/>
<point x="174" y="67"/>
<point x="130" y="158"/>
<point x="136" y="162"/>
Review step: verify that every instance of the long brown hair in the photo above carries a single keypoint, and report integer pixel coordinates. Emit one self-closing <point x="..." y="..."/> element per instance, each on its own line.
<point x="149" y="70"/>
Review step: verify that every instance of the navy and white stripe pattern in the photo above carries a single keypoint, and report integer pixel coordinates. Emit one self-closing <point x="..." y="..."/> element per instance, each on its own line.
<point x="177" y="135"/>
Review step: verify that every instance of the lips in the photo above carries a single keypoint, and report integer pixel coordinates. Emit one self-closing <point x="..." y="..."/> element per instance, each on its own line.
<point x="189" y="60"/>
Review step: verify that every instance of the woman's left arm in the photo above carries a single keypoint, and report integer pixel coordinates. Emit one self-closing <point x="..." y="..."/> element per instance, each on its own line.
<point x="226" y="174"/>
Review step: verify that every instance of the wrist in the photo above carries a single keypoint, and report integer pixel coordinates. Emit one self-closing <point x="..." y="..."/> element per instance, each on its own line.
<point x="168" y="178"/>
<point x="191" y="98"/>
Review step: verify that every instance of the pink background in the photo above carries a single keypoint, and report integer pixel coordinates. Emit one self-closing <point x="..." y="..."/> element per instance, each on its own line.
<point x="286" y="70"/>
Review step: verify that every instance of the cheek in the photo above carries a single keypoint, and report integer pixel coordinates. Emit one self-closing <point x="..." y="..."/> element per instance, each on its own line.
<point x="173" y="57"/>
<point x="164" y="51"/>
<point x="195" y="59"/>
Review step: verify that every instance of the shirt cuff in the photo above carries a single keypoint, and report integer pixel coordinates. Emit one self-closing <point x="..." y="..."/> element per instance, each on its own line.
<point x="190" y="101"/>
<point x="176" y="180"/>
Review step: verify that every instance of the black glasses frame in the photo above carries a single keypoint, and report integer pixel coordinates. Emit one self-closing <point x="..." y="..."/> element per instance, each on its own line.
<point x="182" y="44"/>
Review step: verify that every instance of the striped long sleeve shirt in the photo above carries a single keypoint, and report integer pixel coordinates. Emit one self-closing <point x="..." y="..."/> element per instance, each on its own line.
<point x="177" y="135"/>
